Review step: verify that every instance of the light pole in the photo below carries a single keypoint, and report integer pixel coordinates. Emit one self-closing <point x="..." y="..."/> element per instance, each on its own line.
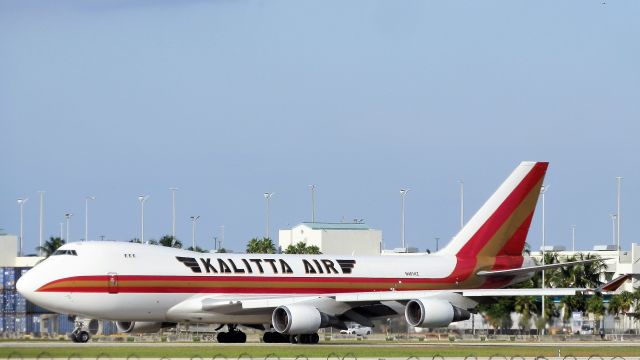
<point x="437" y="243"/>
<point x="61" y="231"/>
<point x="142" y="199"/>
<point x="221" y="236"/>
<point x="619" y="216"/>
<point x="86" y="216"/>
<point x="193" y="231"/>
<point x="267" y="197"/>
<point x="543" y="191"/>
<point x="573" y="238"/>
<point x="21" y="203"/>
<point x="613" y="223"/>
<point x="68" y="216"/>
<point x="403" y="194"/>
<point x="312" y="187"/>
<point x="41" y="237"/>
<point x="461" y="203"/>
<point x="173" y="213"/>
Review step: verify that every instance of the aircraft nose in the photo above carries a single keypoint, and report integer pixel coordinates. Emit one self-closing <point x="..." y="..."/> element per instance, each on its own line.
<point x="26" y="286"/>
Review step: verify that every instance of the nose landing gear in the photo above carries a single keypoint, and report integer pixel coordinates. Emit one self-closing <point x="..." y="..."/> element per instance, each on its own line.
<point x="78" y="335"/>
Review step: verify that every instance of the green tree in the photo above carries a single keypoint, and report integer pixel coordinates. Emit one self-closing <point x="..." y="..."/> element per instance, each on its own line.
<point x="197" y="249"/>
<point x="261" y="246"/>
<point x="595" y="306"/>
<point x="170" y="241"/>
<point x="302" y="248"/>
<point x="498" y="313"/>
<point x="526" y="307"/>
<point x="620" y="304"/>
<point x="50" y="246"/>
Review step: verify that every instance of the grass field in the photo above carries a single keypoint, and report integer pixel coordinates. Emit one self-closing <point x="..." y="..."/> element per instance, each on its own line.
<point x="313" y="351"/>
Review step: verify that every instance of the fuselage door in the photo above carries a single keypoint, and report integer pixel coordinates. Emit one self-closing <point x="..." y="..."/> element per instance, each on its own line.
<point x="112" y="283"/>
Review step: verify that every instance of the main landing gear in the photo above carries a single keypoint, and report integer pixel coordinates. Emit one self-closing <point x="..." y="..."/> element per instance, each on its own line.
<point x="232" y="336"/>
<point x="275" y="337"/>
<point x="78" y="335"/>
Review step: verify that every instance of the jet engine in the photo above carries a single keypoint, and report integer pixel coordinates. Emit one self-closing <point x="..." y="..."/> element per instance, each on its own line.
<point x="301" y="319"/>
<point x="140" y="327"/>
<point x="433" y="313"/>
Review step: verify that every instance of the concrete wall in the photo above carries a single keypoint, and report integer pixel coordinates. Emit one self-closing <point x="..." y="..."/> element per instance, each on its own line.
<point x="8" y="250"/>
<point x="334" y="241"/>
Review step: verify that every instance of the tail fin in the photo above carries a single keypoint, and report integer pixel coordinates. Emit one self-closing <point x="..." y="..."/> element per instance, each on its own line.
<point x="501" y="225"/>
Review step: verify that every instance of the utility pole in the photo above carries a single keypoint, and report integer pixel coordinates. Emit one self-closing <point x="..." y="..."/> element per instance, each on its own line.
<point x="619" y="216"/>
<point x="41" y="237"/>
<point x="193" y="231"/>
<point x="573" y="238"/>
<point x="312" y="187"/>
<point x="543" y="191"/>
<point x="142" y="199"/>
<point x="68" y="216"/>
<point x="267" y="197"/>
<point x="173" y="213"/>
<point x="403" y="194"/>
<point x="21" y="203"/>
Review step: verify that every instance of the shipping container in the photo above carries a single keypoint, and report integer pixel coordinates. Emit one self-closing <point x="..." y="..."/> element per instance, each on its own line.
<point x="21" y="323"/>
<point x="9" y="323"/>
<point x="1" y="302"/>
<point x="33" y="324"/>
<point x="35" y="309"/>
<point x="65" y="325"/>
<point x="9" y="278"/>
<point x="9" y="305"/>
<point x="1" y="323"/>
<point x="21" y="303"/>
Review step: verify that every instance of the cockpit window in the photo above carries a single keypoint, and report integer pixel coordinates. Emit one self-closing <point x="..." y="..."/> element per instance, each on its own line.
<point x="65" y="252"/>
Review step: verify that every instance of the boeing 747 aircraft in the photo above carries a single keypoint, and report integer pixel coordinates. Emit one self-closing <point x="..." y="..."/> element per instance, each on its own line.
<point x="145" y="287"/>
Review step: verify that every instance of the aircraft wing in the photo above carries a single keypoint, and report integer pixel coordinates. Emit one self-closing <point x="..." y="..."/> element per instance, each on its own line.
<point x="530" y="269"/>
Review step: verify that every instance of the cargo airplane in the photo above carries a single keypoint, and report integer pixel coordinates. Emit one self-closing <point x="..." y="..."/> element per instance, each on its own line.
<point x="145" y="288"/>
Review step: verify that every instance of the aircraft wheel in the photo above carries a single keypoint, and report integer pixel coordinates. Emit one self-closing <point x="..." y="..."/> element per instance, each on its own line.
<point x="83" y="337"/>
<point x="73" y="337"/>
<point x="268" y="337"/>
<point x="240" y="337"/>
<point x="293" y="339"/>
<point x="222" y="337"/>
<point x="314" y="338"/>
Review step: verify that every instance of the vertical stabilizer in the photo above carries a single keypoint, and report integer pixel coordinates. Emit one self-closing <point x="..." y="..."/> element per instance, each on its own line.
<point x="500" y="227"/>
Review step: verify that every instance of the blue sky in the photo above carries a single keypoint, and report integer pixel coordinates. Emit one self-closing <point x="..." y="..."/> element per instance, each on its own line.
<point x="229" y="99"/>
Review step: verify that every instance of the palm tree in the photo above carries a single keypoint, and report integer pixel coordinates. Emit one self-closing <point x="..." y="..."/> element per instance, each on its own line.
<point x="302" y="248"/>
<point x="261" y="246"/>
<point x="526" y="307"/>
<point x="50" y="246"/>
<point x="591" y="271"/>
<point x="595" y="306"/>
<point x="620" y="304"/>
<point x="170" y="241"/>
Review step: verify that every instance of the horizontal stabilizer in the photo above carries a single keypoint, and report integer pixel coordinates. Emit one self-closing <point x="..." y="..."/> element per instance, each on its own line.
<point x="614" y="284"/>
<point x="530" y="269"/>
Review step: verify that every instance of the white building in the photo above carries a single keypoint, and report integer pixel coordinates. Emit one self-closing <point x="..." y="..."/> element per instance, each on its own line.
<point x="334" y="238"/>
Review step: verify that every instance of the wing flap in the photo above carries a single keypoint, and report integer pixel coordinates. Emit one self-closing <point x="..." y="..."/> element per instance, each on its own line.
<point x="530" y="269"/>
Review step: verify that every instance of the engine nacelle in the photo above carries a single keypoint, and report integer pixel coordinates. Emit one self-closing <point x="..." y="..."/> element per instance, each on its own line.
<point x="300" y="319"/>
<point x="433" y="313"/>
<point x="141" y="327"/>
